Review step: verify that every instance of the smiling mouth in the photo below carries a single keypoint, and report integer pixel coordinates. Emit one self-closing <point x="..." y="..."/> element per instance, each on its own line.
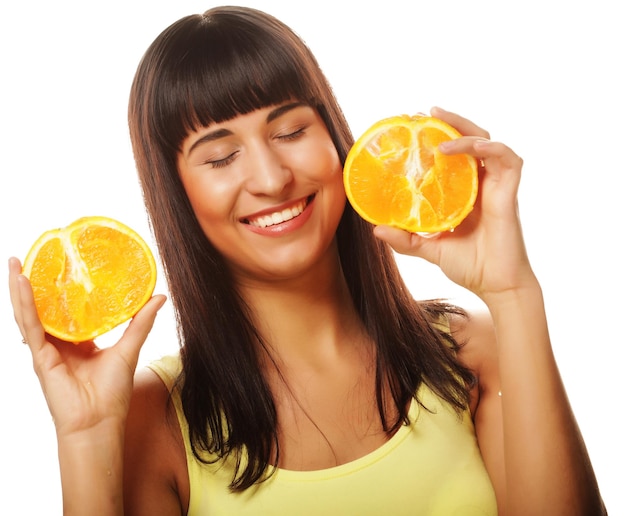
<point x="278" y="217"/>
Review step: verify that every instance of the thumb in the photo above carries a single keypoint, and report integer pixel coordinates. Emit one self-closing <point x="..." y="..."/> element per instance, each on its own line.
<point x="412" y="244"/>
<point x="137" y="331"/>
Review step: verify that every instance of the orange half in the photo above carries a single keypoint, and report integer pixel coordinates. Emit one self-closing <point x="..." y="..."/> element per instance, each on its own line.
<point x="395" y="175"/>
<point x="89" y="277"/>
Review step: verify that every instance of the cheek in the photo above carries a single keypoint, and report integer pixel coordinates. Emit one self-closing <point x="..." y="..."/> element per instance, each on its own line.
<point x="325" y="161"/>
<point x="211" y="200"/>
<point x="333" y="168"/>
<point x="335" y="193"/>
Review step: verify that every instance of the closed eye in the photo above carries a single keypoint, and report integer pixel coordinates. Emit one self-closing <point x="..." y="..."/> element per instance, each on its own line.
<point x="292" y="136"/>
<point x="223" y="162"/>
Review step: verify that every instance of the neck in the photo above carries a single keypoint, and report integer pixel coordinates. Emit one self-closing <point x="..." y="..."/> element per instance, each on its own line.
<point x="309" y="318"/>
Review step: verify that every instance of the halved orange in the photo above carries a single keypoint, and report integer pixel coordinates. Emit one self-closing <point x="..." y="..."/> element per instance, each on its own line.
<point x="89" y="277"/>
<point x="395" y="175"/>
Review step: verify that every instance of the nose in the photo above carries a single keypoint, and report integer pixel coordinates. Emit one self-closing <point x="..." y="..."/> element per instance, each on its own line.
<point x="268" y="173"/>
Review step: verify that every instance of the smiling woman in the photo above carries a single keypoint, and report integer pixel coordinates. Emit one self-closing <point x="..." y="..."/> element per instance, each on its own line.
<point x="303" y="371"/>
<point x="272" y="172"/>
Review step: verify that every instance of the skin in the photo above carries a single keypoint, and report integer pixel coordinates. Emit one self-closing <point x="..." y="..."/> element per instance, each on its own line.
<point x="292" y="280"/>
<point x="254" y="165"/>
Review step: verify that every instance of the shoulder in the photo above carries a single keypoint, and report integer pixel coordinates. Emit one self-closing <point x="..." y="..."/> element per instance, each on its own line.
<point x="155" y="468"/>
<point x="151" y="395"/>
<point x="478" y="350"/>
<point x="476" y="336"/>
<point x="151" y="401"/>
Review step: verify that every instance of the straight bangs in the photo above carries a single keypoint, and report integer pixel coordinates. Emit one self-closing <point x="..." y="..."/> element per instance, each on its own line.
<point x="225" y="66"/>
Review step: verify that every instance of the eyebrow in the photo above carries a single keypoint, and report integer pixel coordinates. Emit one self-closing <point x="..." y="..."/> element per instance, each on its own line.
<point x="222" y="132"/>
<point x="209" y="137"/>
<point x="281" y="110"/>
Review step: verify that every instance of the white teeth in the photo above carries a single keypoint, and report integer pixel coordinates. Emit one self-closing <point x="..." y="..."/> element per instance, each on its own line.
<point x="278" y="216"/>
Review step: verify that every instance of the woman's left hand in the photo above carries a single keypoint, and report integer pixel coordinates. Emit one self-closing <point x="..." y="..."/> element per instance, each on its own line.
<point x="486" y="252"/>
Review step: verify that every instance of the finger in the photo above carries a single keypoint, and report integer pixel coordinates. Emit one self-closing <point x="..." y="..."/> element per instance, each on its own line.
<point x="486" y="149"/>
<point x="137" y="331"/>
<point x="463" y="125"/>
<point x="15" y="269"/>
<point x="413" y="244"/>
<point x="32" y="329"/>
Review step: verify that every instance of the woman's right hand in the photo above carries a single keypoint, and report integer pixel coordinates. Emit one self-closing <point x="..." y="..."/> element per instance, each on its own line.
<point x="84" y="386"/>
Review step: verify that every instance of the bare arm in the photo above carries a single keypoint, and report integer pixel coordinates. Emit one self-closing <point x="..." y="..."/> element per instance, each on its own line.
<point x="547" y="465"/>
<point x="88" y="393"/>
<point x="529" y="436"/>
<point x="91" y="470"/>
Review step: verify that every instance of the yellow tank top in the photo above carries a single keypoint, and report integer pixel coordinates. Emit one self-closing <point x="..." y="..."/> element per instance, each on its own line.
<point x="431" y="467"/>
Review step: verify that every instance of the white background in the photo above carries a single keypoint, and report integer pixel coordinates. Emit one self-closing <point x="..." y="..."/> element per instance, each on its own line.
<point x="545" y="77"/>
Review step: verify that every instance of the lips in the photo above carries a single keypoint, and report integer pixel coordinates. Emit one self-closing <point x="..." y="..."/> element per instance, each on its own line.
<point x="279" y="216"/>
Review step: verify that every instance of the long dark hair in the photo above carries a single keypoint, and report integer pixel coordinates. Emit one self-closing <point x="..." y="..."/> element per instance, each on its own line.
<point x="210" y="68"/>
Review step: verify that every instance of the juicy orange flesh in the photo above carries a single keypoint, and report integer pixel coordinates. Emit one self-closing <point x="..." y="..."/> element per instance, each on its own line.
<point x="89" y="280"/>
<point x="397" y="176"/>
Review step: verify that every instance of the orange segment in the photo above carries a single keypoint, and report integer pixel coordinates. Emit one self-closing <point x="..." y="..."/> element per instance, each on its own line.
<point x="89" y="277"/>
<point x="395" y="175"/>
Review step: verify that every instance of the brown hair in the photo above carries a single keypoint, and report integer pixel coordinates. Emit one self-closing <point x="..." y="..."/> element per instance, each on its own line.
<point x="209" y="68"/>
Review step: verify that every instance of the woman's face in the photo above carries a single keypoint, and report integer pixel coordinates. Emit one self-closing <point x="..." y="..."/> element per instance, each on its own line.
<point x="266" y="188"/>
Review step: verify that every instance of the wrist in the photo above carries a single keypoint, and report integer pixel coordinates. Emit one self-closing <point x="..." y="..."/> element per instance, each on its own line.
<point x="528" y="290"/>
<point x="97" y="432"/>
<point x="91" y="464"/>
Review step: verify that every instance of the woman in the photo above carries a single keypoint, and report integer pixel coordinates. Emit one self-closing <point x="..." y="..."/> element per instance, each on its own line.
<point x="308" y="379"/>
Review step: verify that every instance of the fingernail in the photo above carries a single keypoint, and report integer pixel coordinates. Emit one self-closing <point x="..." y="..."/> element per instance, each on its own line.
<point x="162" y="301"/>
<point x="447" y="145"/>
